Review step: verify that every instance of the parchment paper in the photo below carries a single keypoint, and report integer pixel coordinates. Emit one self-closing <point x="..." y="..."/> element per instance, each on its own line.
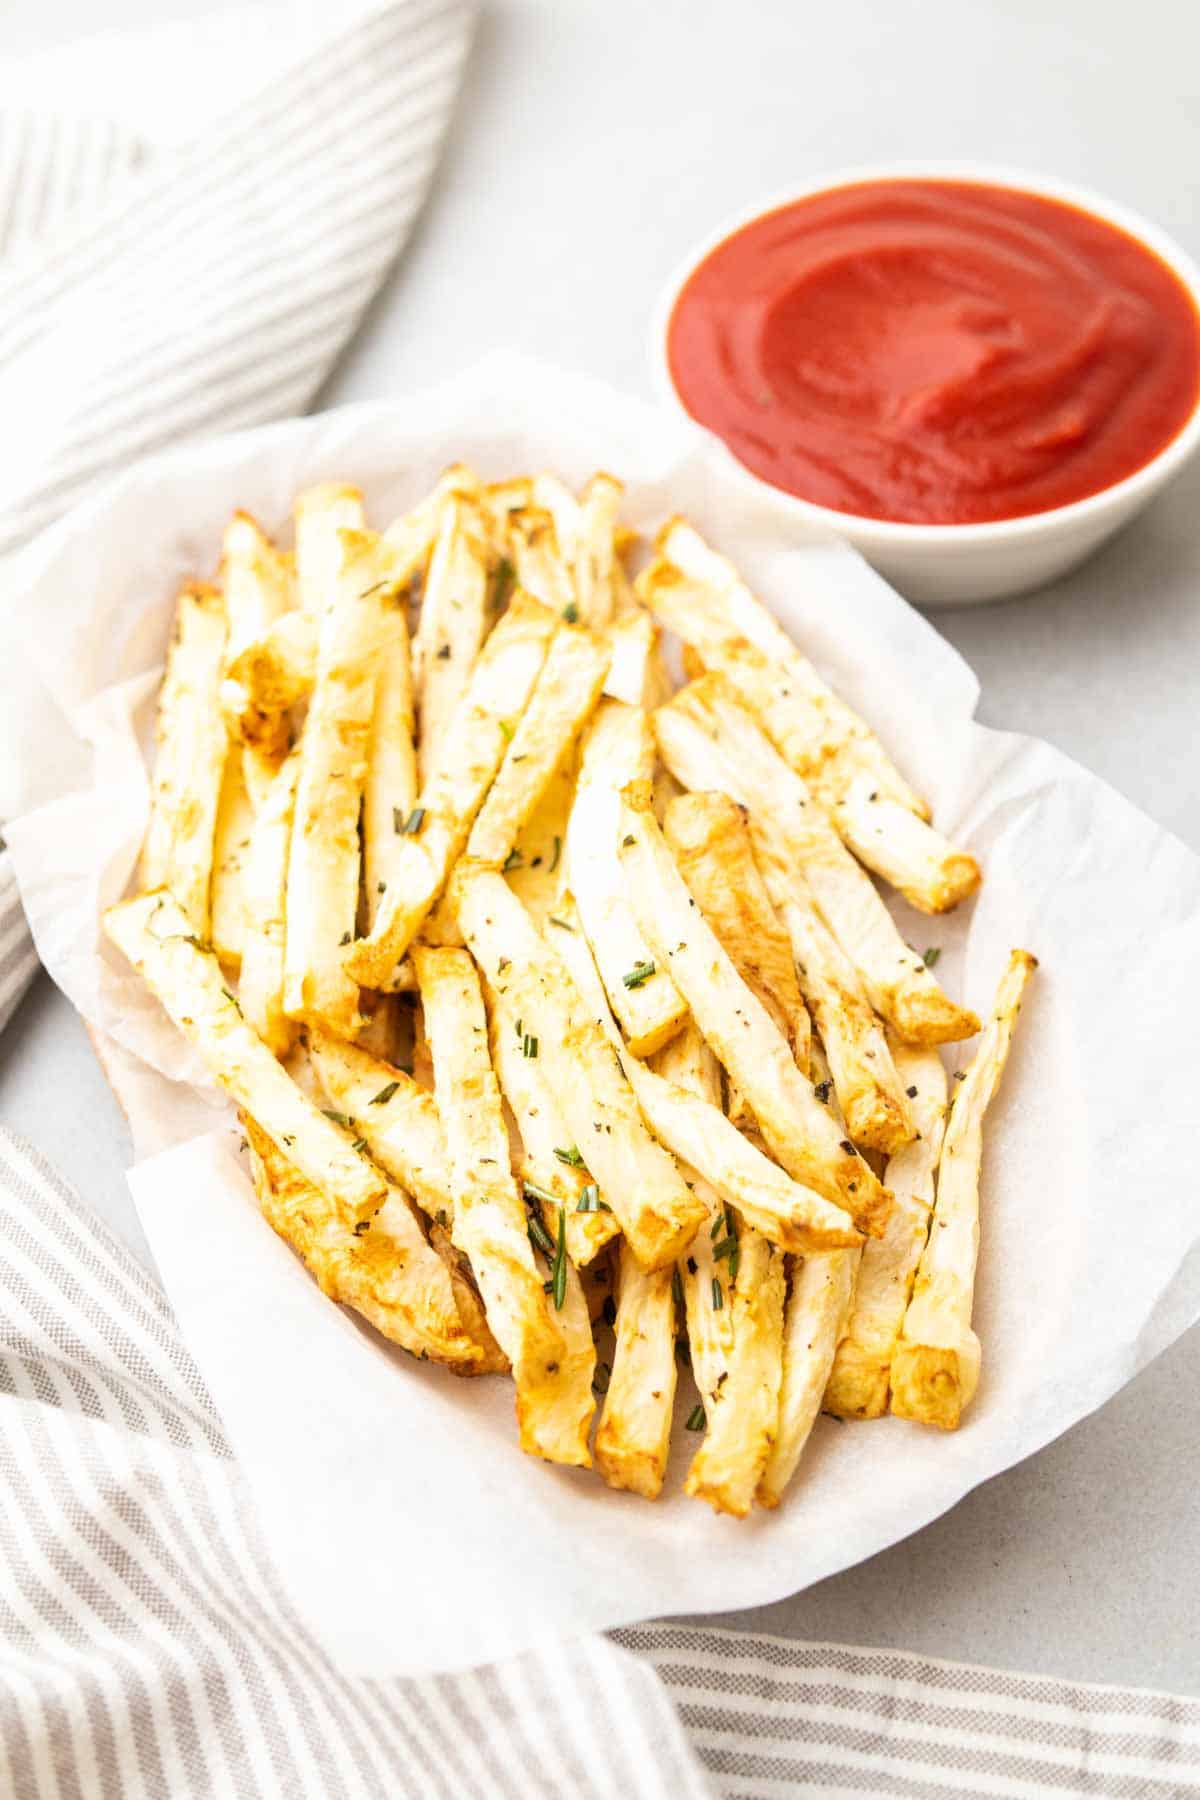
<point x="411" y="1532"/>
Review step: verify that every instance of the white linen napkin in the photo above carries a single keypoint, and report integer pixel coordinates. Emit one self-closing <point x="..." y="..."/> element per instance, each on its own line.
<point x="148" y="1647"/>
<point x="194" y="259"/>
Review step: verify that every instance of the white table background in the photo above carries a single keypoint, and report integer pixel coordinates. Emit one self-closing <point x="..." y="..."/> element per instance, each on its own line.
<point x="595" y="142"/>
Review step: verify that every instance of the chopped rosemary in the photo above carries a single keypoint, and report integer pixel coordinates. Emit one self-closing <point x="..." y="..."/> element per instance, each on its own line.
<point x="930" y="956"/>
<point x="359" y="1144"/>
<point x="696" y="1420"/>
<point x="385" y="1094"/>
<point x="507" y="729"/>
<point x="590" y="1201"/>
<point x="561" y="923"/>
<point x="539" y="1237"/>
<point x="534" y="1192"/>
<point x="529" y="1046"/>
<point x="502" y="582"/>
<point x="514" y="860"/>
<point x="414" y="822"/>
<point x="626" y="841"/>
<point x="571" y="613"/>
<point x="339" y="1118"/>
<point x="344" y="939"/>
<point x="718" y="1293"/>
<point x="641" y="972"/>
<point x="559" y="1272"/>
<point x="443" y="654"/>
<point x="571" y="1157"/>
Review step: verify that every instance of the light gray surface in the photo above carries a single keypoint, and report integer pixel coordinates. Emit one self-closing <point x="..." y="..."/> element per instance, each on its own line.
<point x="597" y="140"/>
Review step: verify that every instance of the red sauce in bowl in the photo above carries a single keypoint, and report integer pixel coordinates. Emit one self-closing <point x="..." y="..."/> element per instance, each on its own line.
<point x="936" y="352"/>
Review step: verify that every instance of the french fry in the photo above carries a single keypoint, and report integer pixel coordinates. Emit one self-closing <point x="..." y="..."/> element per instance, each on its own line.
<point x="555" y="497"/>
<point x="155" y="934"/>
<point x="541" y="566"/>
<point x="390" y="788"/>
<point x="635" y="1175"/>
<point x="228" y="897"/>
<point x="325" y="855"/>
<point x="257" y="581"/>
<point x="397" y="1117"/>
<point x="710" y="741"/>
<point x="260" y="989"/>
<point x="193" y="744"/>
<point x="385" y="1270"/>
<point x="858" y="1380"/>
<point x="563" y="698"/>
<point x="617" y="749"/>
<point x="710" y="840"/>
<point x="637" y="674"/>
<point x="501" y="682"/>
<point x="412" y="536"/>
<point x="633" y="1438"/>
<point x="275" y="671"/>
<point x="595" y="549"/>
<point x="823" y="741"/>
<point x="869" y="1090"/>
<point x="935" y="1368"/>
<point x="798" y="1129"/>
<point x="704" y="590"/>
<point x="470" y="1306"/>
<point x="818" y="1302"/>
<point x="696" y="1131"/>
<point x="733" y="1289"/>
<point x="452" y="627"/>
<point x="320" y="514"/>
<point x="489" y="1216"/>
<point x="552" y="1166"/>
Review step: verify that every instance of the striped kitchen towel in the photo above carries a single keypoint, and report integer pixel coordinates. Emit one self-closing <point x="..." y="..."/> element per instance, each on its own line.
<point x="152" y="290"/>
<point x="147" y="1650"/>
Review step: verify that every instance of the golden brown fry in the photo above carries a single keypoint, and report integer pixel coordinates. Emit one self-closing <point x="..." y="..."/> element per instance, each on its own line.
<point x="935" y="1368"/>
<point x="636" y="1176"/>
<point x="617" y="749"/>
<point x="384" y="1270"/>
<point x="858" y="1381"/>
<point x="633" y="1439"/>
<point x="917" y="860"/>
<point x="325" y="855"/>
<point x="257" y="583"/>
<point x="275" y="672"/>
<point x="192" y="747"/>
<point x="821" y="1294"/>
<point x="228" y="896"/>
<point x="710" y="741"/>
<point x="501" y="683"/>
<point x="261" y="987"/>
<point x="320" y="514"/>
<point x="710" y="840"/>
<point x="541" y="565"/>
<point x="563" y="698"/>
<point x="390" y="788"/>
<point x="489" y="1216"/>
<point x="552" y="1165"/>
<point x="798" y="1129"/>
<point x="156" y="936"/>
<point x="397" y="1117"/>
<point x="452" y="627"/>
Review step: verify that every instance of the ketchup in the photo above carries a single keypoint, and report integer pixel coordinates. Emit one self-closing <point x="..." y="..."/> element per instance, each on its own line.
<point x="938" y="352"/>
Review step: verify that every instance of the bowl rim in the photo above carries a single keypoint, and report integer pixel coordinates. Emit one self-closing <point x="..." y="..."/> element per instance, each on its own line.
<point x="883" y="533"/>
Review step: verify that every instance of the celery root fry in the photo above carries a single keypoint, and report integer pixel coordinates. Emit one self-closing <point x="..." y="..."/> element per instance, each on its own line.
<point x="858" y="1381"/>
<point x="257" y="582"/>
<point x="398" y="1119"/>
<point x="386" y="1272"/>
<point x="798" y="1129"/>
<point x="542" y="567"/>
<point x="551" y="1163"/>
<point x="275" y="671"/>
<point x="193" y="744"/>
<point x="617" y="749"/>
<point x="490" y="1224"/>
<point x="156" y="936"/>
<point x="822" y="1292"/>
<point x="232" y="838"/>
<point x="260" y="988"/>
<point x="710" y="840"/>
<point x="434" y="836"/>
<point x="563" y="697"/>
<point x="902" y="849"/>
<point x="696" y="1131"/>
<point x="705" y="591"/>
<point x="710" y="741"/>
<point x="320" y="514"/>
<point x="390" y="788"/>
<point x="325" y="857"/>
<point x="452" y="626"/>
<point x="595" y="551"/>
<point x="868" y="1086"/>
<point x="635" y="1175"/>
<point x="935" y="1368"/>
<point x="633" y="1439"/>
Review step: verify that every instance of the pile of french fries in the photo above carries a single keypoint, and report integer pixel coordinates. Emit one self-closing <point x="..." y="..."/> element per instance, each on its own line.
<point x="571" y="1036"/>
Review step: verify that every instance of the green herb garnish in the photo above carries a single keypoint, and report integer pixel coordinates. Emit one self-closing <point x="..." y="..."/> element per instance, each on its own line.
<point x="559" y="1272"/>
<point x="571" y="1157"/>
<point x="414" y="822"/>
<point x="718" y="1294"/>
<point x="641" y="972"/>
<point x="385" y="1094"/>
<point x="929" y="957"/>
<point x="696" y="1420"/>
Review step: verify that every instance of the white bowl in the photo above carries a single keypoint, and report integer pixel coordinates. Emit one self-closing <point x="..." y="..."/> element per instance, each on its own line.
<point x="955" y="565"/>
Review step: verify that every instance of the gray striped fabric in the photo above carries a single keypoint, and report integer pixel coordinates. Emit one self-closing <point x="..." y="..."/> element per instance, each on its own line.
<point x="146" y="298"/>
<point x="147" y="1649"/>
